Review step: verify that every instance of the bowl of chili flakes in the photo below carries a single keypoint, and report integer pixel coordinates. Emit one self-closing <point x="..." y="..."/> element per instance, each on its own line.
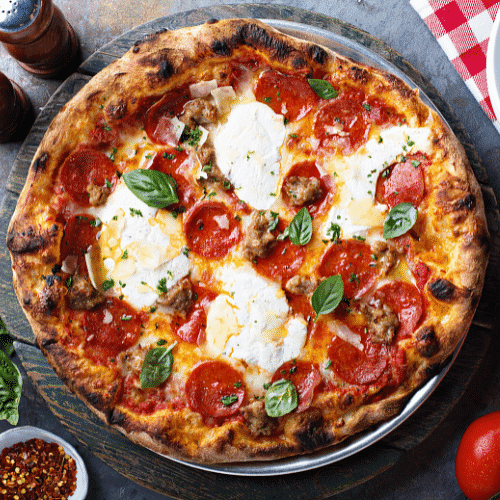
<point x="34" y="463"/>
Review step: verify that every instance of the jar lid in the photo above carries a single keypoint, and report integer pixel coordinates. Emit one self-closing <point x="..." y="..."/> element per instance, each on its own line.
<point x="16" y="15"/>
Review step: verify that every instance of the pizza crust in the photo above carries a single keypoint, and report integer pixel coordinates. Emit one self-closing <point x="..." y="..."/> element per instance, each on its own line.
<point x="123" y="91"/>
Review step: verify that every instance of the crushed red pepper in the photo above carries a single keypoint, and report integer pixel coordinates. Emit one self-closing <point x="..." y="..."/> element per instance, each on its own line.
<point x="37" y="470"/>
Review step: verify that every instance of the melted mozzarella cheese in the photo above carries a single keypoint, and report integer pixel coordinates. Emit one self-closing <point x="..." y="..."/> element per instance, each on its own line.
<point x="250" y="321"/>
<point x="137" y="247"/>
<point x="356" y="210"/>
<point x="248" y="152"/>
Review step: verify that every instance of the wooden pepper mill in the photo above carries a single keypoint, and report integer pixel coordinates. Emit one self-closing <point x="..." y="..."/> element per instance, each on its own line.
<point x="37" y="35"/>
<point x="16" y="112"/>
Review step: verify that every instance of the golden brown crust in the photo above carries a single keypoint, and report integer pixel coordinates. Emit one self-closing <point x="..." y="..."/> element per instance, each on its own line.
<point x="452" y="239"/>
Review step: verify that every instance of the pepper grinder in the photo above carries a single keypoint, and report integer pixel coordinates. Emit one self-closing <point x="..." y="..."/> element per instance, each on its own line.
<point x="16" y="113"/>
<point x="37" y="35"/>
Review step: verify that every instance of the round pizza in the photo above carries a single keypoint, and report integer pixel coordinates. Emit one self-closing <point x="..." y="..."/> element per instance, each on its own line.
<point x="237" y="245"/>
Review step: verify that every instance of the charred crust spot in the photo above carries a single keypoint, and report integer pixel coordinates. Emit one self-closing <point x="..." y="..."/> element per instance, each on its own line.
<point x="116" y="418"/>
<point x="135" y="49"/>
<point x="27" y="241"/>
<point x="49" y="299"/>
<point x="212" y="20"/>
<point x="165" y="70"/>
<point x="309" y="430"/>
<point x="360" y="75"/>
<point x="47" y="343"/>
<point x="298" y="63"/>
<point x="40" y="163"/>
<point x="427" y="342"/>
<point x="442" y="289"/>
<point x="446" y="291"/>
<point x="318" y="54"/>
<point x="221" y="48"/>
<point x="116" y="110"/>
<point x="345" y="401"/>
<point x="398" y="85"/>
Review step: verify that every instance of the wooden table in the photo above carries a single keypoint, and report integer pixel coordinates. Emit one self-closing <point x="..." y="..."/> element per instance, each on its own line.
<point x="180" y="481"/>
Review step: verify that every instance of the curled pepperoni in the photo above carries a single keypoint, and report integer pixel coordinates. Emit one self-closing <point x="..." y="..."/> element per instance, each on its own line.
<point x="357" y="366"/>
<point x="352" y="259"/>
<point x="309" y="170"/>
<point x="192" y="328"/>
<point x="283" y="261"/>
<point x="406" y="301"/>
<point x="211" y="230"/>
<point x="158" y="124"/>
<point x="402" y="183"/>
<point x="305" y="376"/>
<point x="86" y="167"/>
<point x="215" y="389"/>
<point x="171" y="162"/>
<point x="343" y="123"/>
<point x="105" y="339"/>
<point x="280" y="92"/>
<point x="80" y="232"/>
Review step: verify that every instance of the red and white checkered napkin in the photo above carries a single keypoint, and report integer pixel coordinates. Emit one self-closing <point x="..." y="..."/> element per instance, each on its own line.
<point x="462" y="28"/>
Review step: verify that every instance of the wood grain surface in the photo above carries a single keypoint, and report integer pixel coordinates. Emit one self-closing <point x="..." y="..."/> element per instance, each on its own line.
<point x="184" y="482"/>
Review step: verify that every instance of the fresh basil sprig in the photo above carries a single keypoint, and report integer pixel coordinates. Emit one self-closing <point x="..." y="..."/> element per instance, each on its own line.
<point x="156" y="189"/>
<point x="399" y="220"/>
<point x="156" y="366"/>
<point x="328" y="295"/>
<point x="281" y="398"/>
<point x="11" y="382"/>
<point x="323" y="88"/>
<point x="300" y="229"/>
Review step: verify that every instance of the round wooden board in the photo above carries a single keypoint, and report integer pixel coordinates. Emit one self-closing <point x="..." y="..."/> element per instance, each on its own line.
<point x="181" y="481"/>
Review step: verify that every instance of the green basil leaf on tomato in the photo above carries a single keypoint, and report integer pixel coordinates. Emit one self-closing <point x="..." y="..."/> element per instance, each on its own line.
<point x="300" y="229"/>
<point x="323" y="89"/>
<point x="399" y="220"/>
<point x="156" y="366"/>
<point x="327" y="295"/>
<point x="281" y="398"/>
<point x="156" y="189"/>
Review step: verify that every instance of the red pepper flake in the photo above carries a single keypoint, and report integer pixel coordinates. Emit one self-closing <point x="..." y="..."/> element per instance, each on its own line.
<point x="36" y="470"/>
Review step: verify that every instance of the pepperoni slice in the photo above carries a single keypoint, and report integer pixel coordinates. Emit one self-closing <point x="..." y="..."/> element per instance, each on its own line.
<point x="280" y="92"/>
<point x="79" y="233"/>
<point x="215" y="389"/>
<point x="309" y="170"/>
<point x="304" y="375"/>
<point x="211" y="230"/>
<point x="352" y="259"/>
<point x="406" y="301"/>
<point x="283" y="261"/>
<point x="402" y="183"/>
<point x="420" y="270"/>
<point x="85" y="167"/>
<point x="380" y="113"/>
<point x="343" y="123"/>
<point x="192" y="328"/>
<point x="171" y="162"/>
<point x="158" y="124"/>
<point x="356" y="366"/>
<point x="104" y="338"/>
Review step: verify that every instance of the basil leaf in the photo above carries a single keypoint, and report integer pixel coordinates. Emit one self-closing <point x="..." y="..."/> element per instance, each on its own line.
<point x="11" y="384"/>
<point x="399" y="220"/>
<point x="300" y="229"/>
<point x="274" y="223"/>
<point x="154" y="188"/>
<point x="328" y="295"/>
<point x="323" y="88"/>
<point x="156" y="366"/>
<point x="281" y="398"/>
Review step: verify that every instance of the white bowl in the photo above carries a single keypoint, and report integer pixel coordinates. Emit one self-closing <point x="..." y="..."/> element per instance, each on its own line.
<point x="22" y="434"/>
<point x="493" y="66"/>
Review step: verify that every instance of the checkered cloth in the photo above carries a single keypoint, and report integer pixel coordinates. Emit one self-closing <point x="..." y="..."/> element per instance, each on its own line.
<point x="462" y="28"/>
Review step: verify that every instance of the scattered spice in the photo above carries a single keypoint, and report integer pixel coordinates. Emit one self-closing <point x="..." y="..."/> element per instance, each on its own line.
<point x="36" y="470"/>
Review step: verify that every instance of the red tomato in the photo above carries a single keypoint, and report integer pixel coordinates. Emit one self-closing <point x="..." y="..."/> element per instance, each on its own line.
<point x="477" y="464"/>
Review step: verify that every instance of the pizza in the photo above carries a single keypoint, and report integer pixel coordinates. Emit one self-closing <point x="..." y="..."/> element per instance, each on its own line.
<point x="236" y="245"/>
